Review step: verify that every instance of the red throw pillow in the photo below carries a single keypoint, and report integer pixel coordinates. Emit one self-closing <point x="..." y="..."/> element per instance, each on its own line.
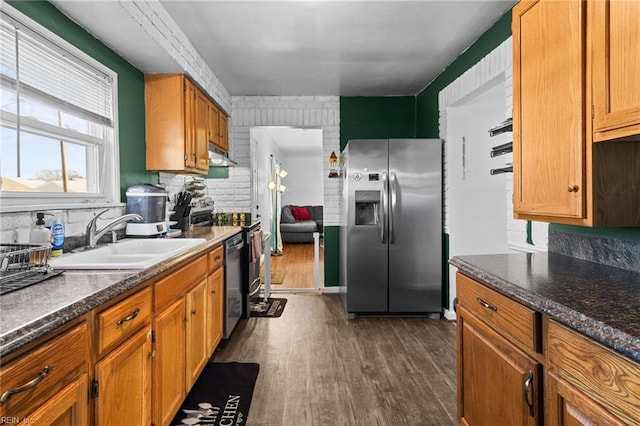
<point x="295" y="211"/>
<point x="304" y="213"/>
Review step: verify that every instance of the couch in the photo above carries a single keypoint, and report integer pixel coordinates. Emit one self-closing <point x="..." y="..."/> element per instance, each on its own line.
<point x="299" y="228"/>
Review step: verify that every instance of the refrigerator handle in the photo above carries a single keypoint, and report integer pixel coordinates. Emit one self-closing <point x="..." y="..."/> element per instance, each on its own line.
<point x="393" y="186"/>
<point x="383" y="210"/>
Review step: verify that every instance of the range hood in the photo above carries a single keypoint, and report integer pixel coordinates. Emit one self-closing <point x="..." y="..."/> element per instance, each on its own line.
<point x="218" y="158"/>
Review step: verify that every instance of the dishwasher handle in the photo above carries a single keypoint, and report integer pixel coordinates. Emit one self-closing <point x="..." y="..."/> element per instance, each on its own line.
<point x="234" y="244"/>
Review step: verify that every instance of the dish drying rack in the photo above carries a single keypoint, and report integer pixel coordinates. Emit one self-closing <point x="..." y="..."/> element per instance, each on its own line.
<point x="22" y="265"/>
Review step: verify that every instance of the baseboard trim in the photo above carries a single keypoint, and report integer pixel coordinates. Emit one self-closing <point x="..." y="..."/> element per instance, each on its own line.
<point x="332" y="289"/>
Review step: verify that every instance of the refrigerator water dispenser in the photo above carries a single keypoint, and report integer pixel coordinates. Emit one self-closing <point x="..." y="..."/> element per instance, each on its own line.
<point x="367" y="208"/>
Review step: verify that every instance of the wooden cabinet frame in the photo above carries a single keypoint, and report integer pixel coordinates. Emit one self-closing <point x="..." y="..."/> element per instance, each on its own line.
<point x="560" y="174"/>
<point x="180" y="122"/>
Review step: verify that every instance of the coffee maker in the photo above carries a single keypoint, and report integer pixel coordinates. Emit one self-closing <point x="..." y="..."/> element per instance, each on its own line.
<point x="150" y="202"/>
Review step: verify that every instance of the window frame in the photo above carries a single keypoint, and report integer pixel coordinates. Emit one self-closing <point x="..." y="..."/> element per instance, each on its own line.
<point x="108" y="161"/>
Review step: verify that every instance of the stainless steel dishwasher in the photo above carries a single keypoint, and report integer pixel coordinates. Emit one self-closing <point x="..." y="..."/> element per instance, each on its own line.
<point x="233" y="283"/>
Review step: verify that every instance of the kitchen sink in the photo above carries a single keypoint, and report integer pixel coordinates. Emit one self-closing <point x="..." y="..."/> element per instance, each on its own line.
<point x="125" y="254"/>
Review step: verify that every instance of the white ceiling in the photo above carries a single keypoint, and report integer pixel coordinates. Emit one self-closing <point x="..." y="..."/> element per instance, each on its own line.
<point x="292" y="141"/>
<point x="339" y="47"/>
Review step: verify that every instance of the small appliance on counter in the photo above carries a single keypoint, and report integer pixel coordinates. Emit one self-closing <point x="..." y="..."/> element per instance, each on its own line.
<point x="201" y="206"/>
<point x="150" y="202"/>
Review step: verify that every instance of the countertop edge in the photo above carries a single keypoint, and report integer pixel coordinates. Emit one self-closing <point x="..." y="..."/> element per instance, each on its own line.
<point x="21" y="336"/>
<point x="613" y="338"/>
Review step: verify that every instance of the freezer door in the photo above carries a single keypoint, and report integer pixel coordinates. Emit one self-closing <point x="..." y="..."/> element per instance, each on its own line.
<point x="415" y="226"/>
<point x="366" y="251"/>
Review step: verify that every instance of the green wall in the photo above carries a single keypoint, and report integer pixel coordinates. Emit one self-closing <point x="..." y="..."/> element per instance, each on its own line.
<point x="331" y="238"/>
<point x="130" y="88"/>
<point x="377" y="118"/>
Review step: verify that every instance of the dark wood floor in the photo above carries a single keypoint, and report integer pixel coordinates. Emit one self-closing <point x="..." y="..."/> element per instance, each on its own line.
<point x="318" y="368"/>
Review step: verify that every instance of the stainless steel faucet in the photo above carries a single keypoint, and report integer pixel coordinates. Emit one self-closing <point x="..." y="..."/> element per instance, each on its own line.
<point x="93" y="235"/>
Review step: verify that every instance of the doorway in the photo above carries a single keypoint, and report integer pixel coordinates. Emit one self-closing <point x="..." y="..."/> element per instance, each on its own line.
<point x="287" y="170"/>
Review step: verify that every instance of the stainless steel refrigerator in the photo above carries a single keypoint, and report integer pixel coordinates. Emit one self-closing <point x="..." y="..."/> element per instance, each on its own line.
<point x="391" y="227"/>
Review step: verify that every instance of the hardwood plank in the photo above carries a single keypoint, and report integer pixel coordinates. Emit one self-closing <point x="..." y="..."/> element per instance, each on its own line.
<point x="297" y="261"/>
<point x="318" y="368"/>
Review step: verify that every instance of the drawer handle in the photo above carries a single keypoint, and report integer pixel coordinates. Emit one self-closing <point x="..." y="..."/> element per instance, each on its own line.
<point x="218" y="257"/>
<point x="486" y="305"/>
<point x="193" y="312"/>
<point x="32" y="384"/>
<point x="128" y="318"/>
<point x="526" y="391"/>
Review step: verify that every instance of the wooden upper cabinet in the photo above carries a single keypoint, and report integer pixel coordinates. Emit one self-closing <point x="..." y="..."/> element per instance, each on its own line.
<point x="560" y="175"/>
<point x="177" y="124"/>
<point x="223" y="128"/>
<point x="202" y="131"/>
<point x="615" y="64"/>
<point x="214" y="133"/>
<point x="548" y="116"/>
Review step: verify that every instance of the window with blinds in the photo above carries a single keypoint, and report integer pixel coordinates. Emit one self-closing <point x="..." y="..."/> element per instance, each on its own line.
<point x="57" y="118"/>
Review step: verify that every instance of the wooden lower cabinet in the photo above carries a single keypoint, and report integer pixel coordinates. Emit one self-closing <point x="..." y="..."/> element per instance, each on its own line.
<point x="197" y="352"/>
<point x="567" y="406"/>
<point x="168" y="368"/>
<point x="587" y="382"/>
<point x="501" y="376"/>
<point x="188" y="307"/>
<point x="124" y="383"/>
<point x="69" y="407"/>
<point x="48" y="382"/>
<point x="496" y="380"/>
<point x="215" y="308"/>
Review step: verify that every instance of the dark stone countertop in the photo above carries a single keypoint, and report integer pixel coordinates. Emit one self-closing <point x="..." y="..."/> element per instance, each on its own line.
<point x="29" y="313"/>
<point x="599" y="301"/>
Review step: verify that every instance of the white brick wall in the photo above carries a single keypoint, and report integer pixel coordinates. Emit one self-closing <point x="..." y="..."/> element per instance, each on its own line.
<point x="15" y="227"/>
<point x="497" y="63"/>
<point x="298" y="111"/>
<point x="151" y="16"/>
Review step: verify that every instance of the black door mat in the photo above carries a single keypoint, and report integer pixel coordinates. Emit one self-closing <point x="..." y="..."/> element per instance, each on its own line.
<point x="221" y="395"/>
<point x="272" y="308"/>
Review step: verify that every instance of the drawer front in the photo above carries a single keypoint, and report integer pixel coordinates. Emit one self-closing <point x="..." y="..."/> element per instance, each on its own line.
<point x="216" y="258"/>
<point x="120" y="321"/>
<point x="604" y="376"/>
<point x="510" y="317"/>
<point x="43" y="372"/>
<point x="176" y="284"/>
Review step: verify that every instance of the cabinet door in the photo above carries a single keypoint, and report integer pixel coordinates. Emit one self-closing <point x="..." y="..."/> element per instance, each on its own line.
<point x="567" y="406"/>
<point x="69" y="407"/>
<point x="549" y="108"/>
<point x="124" y="383"/>
<point x="616" y="61"/>
<point x="201" y="125"/>
<point x="169" y="362"/>
<point x="189" y="128"/>
<point x="224" y="131"/>
<point x="215" y="314"/>
<point x="496" y="380"/>
<point x="214" y="127"/>
<point x="196" y="342"/>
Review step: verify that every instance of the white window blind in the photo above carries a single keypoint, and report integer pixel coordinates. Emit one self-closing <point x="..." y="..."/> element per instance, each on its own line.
<point x="58" y="116"/>
<point x="50" y="74"/>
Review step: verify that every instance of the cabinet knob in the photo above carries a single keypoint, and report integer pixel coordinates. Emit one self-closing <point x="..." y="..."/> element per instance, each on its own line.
<point x="193" y="312"/>
<point x="573" y="188"/>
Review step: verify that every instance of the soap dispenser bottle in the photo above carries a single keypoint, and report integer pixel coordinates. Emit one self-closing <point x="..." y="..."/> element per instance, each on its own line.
<point x="57" y="232"/>
<point x="39" y="234"/>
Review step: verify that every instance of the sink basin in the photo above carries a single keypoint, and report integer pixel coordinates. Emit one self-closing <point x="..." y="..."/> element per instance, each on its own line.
<point x="125" y="254"/>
